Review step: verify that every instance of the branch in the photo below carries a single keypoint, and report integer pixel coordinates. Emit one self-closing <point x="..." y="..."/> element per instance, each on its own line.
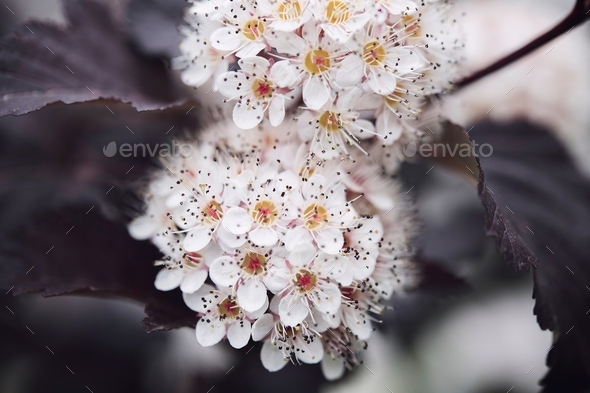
<point x="578" y="15"/>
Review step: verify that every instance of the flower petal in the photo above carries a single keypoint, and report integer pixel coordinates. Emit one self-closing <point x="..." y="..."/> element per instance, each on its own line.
<point x="198" y="301"/>
<point x="251" y="294"/>
<point x="315" y="94"/>
<point x="238" y="334"/>
<point x="237" y="221"/>
<point x="254" y="65"/>
<point x="225" y="271"/>
<point x="312" y="352"/>
<point x="193" y="281"/>
<point x="276" y="110"/>
<point x="248" y="115"/>
<point x="197" y="239"/>
<point x="143" y="228"/>
<point x="359" y="324"/>
<point x="229" y="239"/>
<point x="381" y="81"/>
<point x="262" y="327"/>
<point x="284" y="74"/>
<point x="330" y="240"/>
<point x="210" y="331"/>
<point x="168" y="279"/>
<point x="272" y="359"/>
<point x="263" y="237"/>
<point x="349" y="71"/>
<point x="292" y="310"/>
<point x="225" y="39"/>
<point x="330" y="298"/>
<point x="302" y="254"/>
<point x="333" y="368"/>
<point x="295" y="236"/>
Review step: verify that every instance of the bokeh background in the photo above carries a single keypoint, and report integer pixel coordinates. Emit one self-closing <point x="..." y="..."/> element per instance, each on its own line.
<point x="480" y="337"/>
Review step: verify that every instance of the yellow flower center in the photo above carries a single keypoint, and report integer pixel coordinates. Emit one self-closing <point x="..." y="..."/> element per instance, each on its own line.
<point x="314" y="215"/>
<point x="262" y="89"/>
<point x="253" y="29"/>
<point x="317" y="61"/>
<point x="337" y="12"/>
<point x="254" y="263"/>
<point x="289" y="10"/>
<point x="265" y="213"/>
<point x="374" y="53"/>
<point x="412" y="25"/>
<point x="228" y="308"/>
<point x="330" y="121"/>
<point x="305" y="281"/>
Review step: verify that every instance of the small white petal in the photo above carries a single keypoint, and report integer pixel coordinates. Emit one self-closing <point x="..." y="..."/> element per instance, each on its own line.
<point x="224" y="271"/>
<point x="254" y="65"/>
<point x="143" y="228"/>
<point x="359" y="324"/>
<point x="260" y="312"/>
<point x="302" y="254"/>
<point x="292" y="310"/>
<point x="193" y="281"/>
<point x="332" y="368"/>
<point x="315" y="94"/>
<point x="197" y="239"/>
<point x="210" y="333"/>
<point x="350" y="71"/>
<point x="252" y="49"/>
<point x="195" y="302"/>
<point x="382" y="82"/>
<point x="311" y="353"/>
<point x="225" y="39"/>
<point x="262" y="327"/>
<point x="263" y="237"/>
<point x="272" y="359"/>
<point x="238" y="334"/>
<point x="276" y="110"/>
<point x="168" y="279"/>
<point x="247" y="116"/>
<point x="237" y="221"/>
<point x="284" y="73"/>
<point x="330" y="298"/>
<point x="251" y="294"/>
<point x="330" y="240"/>
<point x="230" y="240"/>
<point x="295" y="236"/>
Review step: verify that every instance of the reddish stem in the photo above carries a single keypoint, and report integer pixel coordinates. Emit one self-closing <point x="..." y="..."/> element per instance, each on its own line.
<point x="578" y="15"/>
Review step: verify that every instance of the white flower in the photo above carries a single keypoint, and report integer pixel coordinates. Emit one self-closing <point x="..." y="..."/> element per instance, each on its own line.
<point x="301" y="282"/>
<point x="316" y="61"/>
<point x="341" y="18"/>
<point x="185" y="269"/>
<point x="244" y="271"/>
<point x="285" y="15"/>
<point x="220" y="317"/>
<point x="336" y="125"/>
<point x="244" y="33"/>
<point x="381" y="58"/>
<point x="385" y="9"/>
<point x="257" y="87"/>
<point x="200" y="59"/>
<point x="283" y="343"/>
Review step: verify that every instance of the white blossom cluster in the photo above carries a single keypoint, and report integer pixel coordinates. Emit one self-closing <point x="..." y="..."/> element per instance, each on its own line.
<point x="270" y="243"/>
<point x="358" y="69"/>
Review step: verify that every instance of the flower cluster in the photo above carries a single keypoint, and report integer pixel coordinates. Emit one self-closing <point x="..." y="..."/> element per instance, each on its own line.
<point x="363" y="69"/>
<point x="270" y="243"/>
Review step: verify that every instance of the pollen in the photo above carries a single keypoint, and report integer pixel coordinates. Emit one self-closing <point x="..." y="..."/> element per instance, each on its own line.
<point x="262" y="89"/>
<point x="254" y="263"/>
<point x="314" y="215"/>
<point x="330" y="121"/>
<point x="253" y="29"/>
<point x="265" y="213"/>
<point x="317" y="61"/>
<point x="337" y="12"/>
<point x="212" y="212"/>
<point x="374" y="53"/>
<point x="305" y="281"/>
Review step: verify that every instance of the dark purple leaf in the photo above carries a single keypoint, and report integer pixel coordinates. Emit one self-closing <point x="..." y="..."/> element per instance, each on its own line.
<point x="90" y="59"/>
<point x="538" y="209"/>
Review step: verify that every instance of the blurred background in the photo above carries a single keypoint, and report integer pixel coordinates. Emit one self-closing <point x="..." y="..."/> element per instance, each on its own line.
<point x="483" y="338"/>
